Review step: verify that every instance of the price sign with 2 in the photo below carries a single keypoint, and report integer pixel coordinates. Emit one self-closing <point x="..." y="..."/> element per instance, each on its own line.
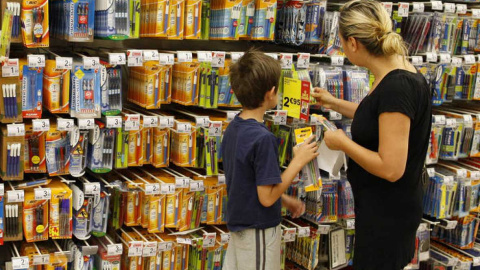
<point x="63" y="63"/>
<point x="218" y="59"/>
<point x="65" y="124"/>
<point x="86" y="123"/>
<point x="92" y="188"/>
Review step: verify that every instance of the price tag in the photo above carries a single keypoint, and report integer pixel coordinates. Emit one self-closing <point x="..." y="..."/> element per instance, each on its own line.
<point x="333" y="116"/>
<point x="280" y="118"/>
<point x="164" y="246"/>
<point x="286" y="60"/>
<point x="43" y="194"/>
<point x="273" y="55"/>
<point x="403" y="9"/>
<point x="40" y="125"/>
<point x="437" y="5"/>
<point x="314" y="121"/>
<point x="388" y="7"/>
<point x="462" y="173"/>
<point x="337" y="60"/>
<point x="117" y="59"/>
<point x="469" y="59"/>
<point x="132" y="122"/>
<point x="15" y="196"/>
<point x="350" y="224"/>
<point x="476" y="13"/>
<point x="231" y="115"/>
<point x="15" y="130"/>
<point x="114" y="249"/>
<point x="215" y="129"/>
<point x="303" y="232"/>
<point x="218" y="59"/>
<point x="134" y="58"/>
<point x="63" y="62"/>
<point x="10" y="68"/>
<point x="65" y="124"/>
<point x="167" y="188"/>
<point x="236" y="55"/>
<point x="209" y="239"/>
<point x="456" y="61"/>
<point x="152" y="189"/>
<point x="166" y="121"/>
<point x="86" y="123"/>
<point x="196" y="185"/>
<point x="431" y="57"/>
<point x="20" y="262"/>
<point x="476" y="261"/>
<point x="204" y="56"/>
<point x="202" y="121"/>
<point x="225" y="238"/>
<point x="150" y="55"/>
<point x="303" y="60"/>
<point x="451" y="224"/>
<point x="184" y="57"/>
<point x="417" y="60"/>
<point x="323" y="229"/>
<point x="91" y="62"/>
<point x="150" y="121"/>
<point x="167" y="58"/>
<point x="92" y="188"/>
<point x="221" y="179"/>
<point x="445" y="58"/>
<point x="42" y="259"/>
<point x="182" y="182"/>
<point x="184" y="241"/>
<point x="461" y="9"/>
<point x="2" y="189"/>
<point x="149" y="249"/>
<point x="114" y="121"/>
<point x="475" y="175"/>
<point x="289" y="235"/>
<point x="36" y="60"/>
<point x="183" y="127"/>
<point x="418" y="7"/>
<point x="135" y="248"/>
<point x="431" y="172"/>
<point x="449" y="8"/>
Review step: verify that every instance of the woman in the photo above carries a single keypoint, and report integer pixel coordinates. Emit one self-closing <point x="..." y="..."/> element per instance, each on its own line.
<point x="389" y="138"/>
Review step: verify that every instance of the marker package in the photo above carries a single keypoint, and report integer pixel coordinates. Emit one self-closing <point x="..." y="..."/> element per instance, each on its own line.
<point x="32" y="88"/>
<point x="35" y="155"/>
<point x="111" y="90"/>
<point x="10" y="101"/>
<point x="79" y="152"/>
<point x="12" y="219"/>
<point x="35" y="218"/>
<point x="85" y="93"/>
<point x="329" y="203"/>
<point x="58" y="151"/>
<point x="193" y="23"/>
<point x="35" y="23"/>
<point x="60" y="225"/>
<point x="264" y="20"/>
<point x="12" y="156"/>
<point x="56" y="88"/>
<point x="112" y="19"/>
<point x="101" y="144"/>
<point x="75" y="20"/>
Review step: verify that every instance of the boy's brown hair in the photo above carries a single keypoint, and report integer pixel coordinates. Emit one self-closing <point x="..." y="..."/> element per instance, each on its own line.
<point x="253" y="75"/>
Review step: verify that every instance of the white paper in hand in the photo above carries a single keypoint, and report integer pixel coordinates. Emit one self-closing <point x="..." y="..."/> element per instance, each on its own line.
<point x="329" y="160"/>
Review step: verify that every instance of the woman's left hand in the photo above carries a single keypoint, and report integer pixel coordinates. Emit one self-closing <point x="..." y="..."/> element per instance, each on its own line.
<point x="334" y="139"/>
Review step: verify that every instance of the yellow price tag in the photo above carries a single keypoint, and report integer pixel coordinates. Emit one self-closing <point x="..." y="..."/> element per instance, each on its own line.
<point x="292" y="96"/>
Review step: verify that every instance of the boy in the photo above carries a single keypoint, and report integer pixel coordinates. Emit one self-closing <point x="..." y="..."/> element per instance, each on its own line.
<point x="250" y="159"/>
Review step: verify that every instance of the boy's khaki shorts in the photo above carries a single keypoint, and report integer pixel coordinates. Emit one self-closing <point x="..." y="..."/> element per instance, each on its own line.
<point x="254" y="249"/>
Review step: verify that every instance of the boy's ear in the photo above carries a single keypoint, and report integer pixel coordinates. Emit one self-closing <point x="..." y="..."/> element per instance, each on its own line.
<point x="271" y="93"/>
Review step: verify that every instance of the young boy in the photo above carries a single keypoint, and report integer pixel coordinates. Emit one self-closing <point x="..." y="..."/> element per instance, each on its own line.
<point x="250" y="159"/>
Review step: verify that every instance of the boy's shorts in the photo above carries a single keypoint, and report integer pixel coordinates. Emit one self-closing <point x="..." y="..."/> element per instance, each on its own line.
<point x="254" y="249"/>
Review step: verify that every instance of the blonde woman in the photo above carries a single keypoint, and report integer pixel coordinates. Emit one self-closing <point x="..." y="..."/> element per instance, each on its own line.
<point x="389" y="138"/>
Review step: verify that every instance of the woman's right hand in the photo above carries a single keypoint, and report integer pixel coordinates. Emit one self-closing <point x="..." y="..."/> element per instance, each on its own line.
<point x="324" y="98"/>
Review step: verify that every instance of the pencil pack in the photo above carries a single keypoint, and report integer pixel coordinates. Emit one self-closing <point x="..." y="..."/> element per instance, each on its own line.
<point x="35" y="24"/>
<point x="56" y="88"/>
<point x="12" y="155"/>
<point x="35" y="218"/>
<point x="35" y="155"/>
<point x="312" y="181"/>
<point x="32" y="89"/>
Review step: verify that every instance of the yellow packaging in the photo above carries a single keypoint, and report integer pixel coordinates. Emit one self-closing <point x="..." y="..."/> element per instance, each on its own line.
<point x="56" y="88"/>
<point x="173" y="208"/>
<point x="135" y="156"/>
<point x="157" y="214"/>
<point x="35" y="218"/>
<point x="161" y="147"/>
<point x="193" y="11"/>
<point x="35" y="23"/>
<point x="176" y="11"/>
<point x="60" y="225"/>
<point x="132" y="217"/>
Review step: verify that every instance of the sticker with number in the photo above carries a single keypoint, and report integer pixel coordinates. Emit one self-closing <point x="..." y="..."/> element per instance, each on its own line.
<point x="418" y="7"/>
<point x="167" y="188"/>
<point x="2" y="189"/>
<point x="150" y="121"/>
<point x="323" y="229"/>
<point x="209" y="239"/>
<point x="36" y="60"/>
<point x="10" y="68"/>
<point x="476" y="13"/>
<point x="15" y="196"/>
<point x="40" y="125"/>
<point x="43" y="194"/>
<point x="273" y="55"/>
<point x="63" y="62"/>
<point x="231" y="115"/>
<point x="236" y="55"/>
<point x="135" y="248"/>
<point x="92" y="188"/>
<point x="204" y="56"/>
<point x="152" y="189"/>
<point x="388" y="7"/>
<point x="437" y="5"/>
<point x="20" y="262"/>
<point x="461" y="9"/>
<point x="65" y="124"/>
<point x="15" y="130"/>
<point x="42" y="259"/>
<point x="134" y="58"/>
<point x="183" y="127"/>
<point x="184" y="57"/>
<point x="184" y="241"/>
<point x="117" y="59"/>
<point x="403" y="9"/>
<point x="286" y="60"/>
<point x="456" y="61"/>
<point x="166" y="121"/>
<point x="417" y="60"/>
<point x="445" y="58"/>
<point x="449" y="7"/>
<point x="337" y="60"/>
<point x="196" y="185"/>
<point x="114" y="249"/>
<point x="280" y="118"/>
<point x="167" y="58"/>
<point x="151" y="55"/>
<point x="431" y="172"/>
<point x="182" y="182"/>
<point x="314" y="121"/>
<point x="333" y="116"/>
<point x="431" y="57"/>
<point x="114" y="121"/>
<point x="218" y="59"/>
<point x="86" y="123"/>
<point x="164" y="246"/>
<point x="289" y="235"/>
<point x="132" y="122"/>
<point x="303" y="60"/>
<point x="149" y="249"/>
<point x="202" y="121"/>
<point x="225" y="238"/>
<point x="215" y="129"/>
<point x="91" y="62"/>
<point x="350" y="224"/>
<point x="303" y="232"/>
<point x="221" y="179"/>
<point x="469" y="59"/>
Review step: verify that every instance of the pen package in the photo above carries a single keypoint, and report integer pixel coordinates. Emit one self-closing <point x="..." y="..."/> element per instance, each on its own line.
<point x="211" y="144"/>
<point x="443" y="83"/>
<point x="32" y="88"/>
<point x="77" y="24"/>
<point x="226" y="97"/>
<point x="118" y="197"/>
<point x="225" y="19"/>
<point x="35" y="154"/>
<point x="450" y="139"/>
<point x="121" y="148"/>
<point x="193" y="23"/>
<point x="10" y="101"/>
<point x="176" y="19"/>
<point x="82" y="212"/>
<point x="147" y="145"/>
<point x="183" y="148"/>
<point x="355" y="85"/>
<point x="312" y="181"/>
<point x="333" y="46"/>
<point x="133" y="208"/>
<point x="35" y="218"/>
<point x="101" y="149"/>
<point x="85" y="94"/>
<point x="135" y="149"/>
<point x="12" y="22"/>
<point x="435" y="139"/>
<point x="78" y="152"/>
<point x="314" y="30"/>
<point x="465" y="133"/>
<point x="8" y="18"/>
<point x="205" y="25"/>
<point x="102" y="259"/>
<point x="112" y="19"/>
<point x="155" y="18"/>
<point x="246" y="18"/>
<point x="161" y="147"/>
<point x="209" y="87"/>
<point x="157" y="214"/>
<point x="56" y="88"/>
<point x="57" y="151"/>
<point x="346" y="205"/>
<point x="35" y="27"/>
<point x="100" y="214"/>
<point x="188" y="78"/>
<point x="111" y="90"/>
<point x="149" y="85"/>
<point x="214" y="195"/>
<point x="329" y="203"/>
<point x="264" y="20"/>
<point x="2" y="215"/>
<point x="60" y="225"/>
<point x="465" y="81"/>
<point x="173" y="207"/>
<point x="12" y="156"/>
<point x="13" y="226"/>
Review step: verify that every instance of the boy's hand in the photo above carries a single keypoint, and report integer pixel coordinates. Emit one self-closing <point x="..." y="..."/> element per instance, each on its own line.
<point x="324" y="98"/>
<point x="294" y="206"/>
<point x="305" y="152"/>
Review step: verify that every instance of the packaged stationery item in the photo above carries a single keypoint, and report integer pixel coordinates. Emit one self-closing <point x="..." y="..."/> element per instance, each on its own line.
<point x="60" y="225"/>
<point x="176" y="19"/>
<point x="79" y="152"/>
<point x="35" y="218"/>
<point x="226" y="19"/>
<point x="187" y="79"/>
<point x="111" y="89"/>
<point x="246" y="18"/>
<point x="12" y="155"/>
<point x="101" y="144"/>
<point x="75" y="20"/>
<point x="82" y="206"/>
<point x="193" y="23"/>
<point x="12" y="218"/>
<point x="264" y="20"/>
<point x="85" y="93"/>
<point x="10" y="12"/>
<point x="435" y="140"/>
<point x="35" y="154"/>
<point x="112" y="19"/>
<point x="155" y="18"/>
<point x="10" y="101"/>
<point x="150" y="86"/>
<point x="314" y="30"/>
<point x="58" y="149"/>
<point x="32" y="87"/>
<point x="312" y="181"/>
<point x="56" y="88"/>
<point x="35" y="24"/>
